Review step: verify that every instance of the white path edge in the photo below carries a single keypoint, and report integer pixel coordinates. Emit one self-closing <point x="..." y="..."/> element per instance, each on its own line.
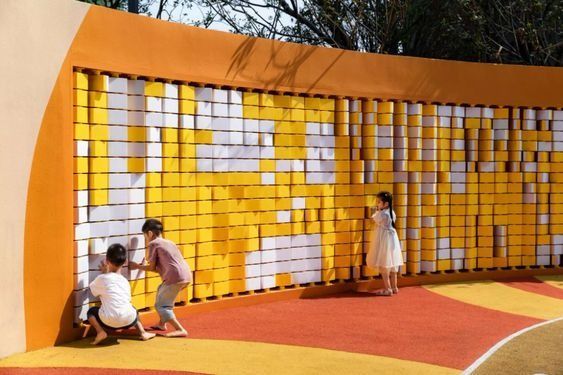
<point x="501" y="343"/>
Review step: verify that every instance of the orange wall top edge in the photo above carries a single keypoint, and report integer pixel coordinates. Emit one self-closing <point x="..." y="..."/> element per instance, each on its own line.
<point x="121" y="42"/>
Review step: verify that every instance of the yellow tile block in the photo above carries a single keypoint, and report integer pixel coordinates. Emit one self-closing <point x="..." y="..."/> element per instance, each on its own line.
<point x="251" y="98"/>
<point x="170" y="150"/>
<point x="187" y="107"/>
<point x="99" y="165"/>
<point x="136" y="134"/>
<point x="154" y="209"/>
<point x="81" y="114"/>
<point x="136" y="165"/>
<point x="81" y="165"/>
<point x="97" y="116"/>
<point x="98" y="197"/>
<point x="81" y="131"/>
<point x="169" y="135"/>
<point x="98" y="181"/>
<point x="171" y="164"/>
<point x="154" y="89"/>
<point x="266" y="100"/>
<point x="80" y="80"/>
<point x="203" y="290"/>
<point x="153" y="194"/>
<point x="97" y="99"/>
<point x="203" y="136"/>
<point x="186" y="92"/>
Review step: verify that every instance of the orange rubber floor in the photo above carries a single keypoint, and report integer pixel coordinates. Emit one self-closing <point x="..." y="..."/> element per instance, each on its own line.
<point x="447" y="326"/>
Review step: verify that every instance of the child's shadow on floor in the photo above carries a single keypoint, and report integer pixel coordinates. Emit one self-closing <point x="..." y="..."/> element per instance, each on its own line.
<point x="86" y="343"/>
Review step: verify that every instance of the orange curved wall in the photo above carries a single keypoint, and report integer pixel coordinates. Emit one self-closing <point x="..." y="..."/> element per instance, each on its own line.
<point x="118" y="42"/>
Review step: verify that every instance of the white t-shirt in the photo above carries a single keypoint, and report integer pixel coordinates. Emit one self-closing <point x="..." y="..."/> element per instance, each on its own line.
<point x="115" y="293"/>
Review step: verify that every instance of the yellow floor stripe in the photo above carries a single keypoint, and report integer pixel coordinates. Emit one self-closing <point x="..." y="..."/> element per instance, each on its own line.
<point x="500" y="297"/>
<point x="553" y="280"/>
<point x="217" y="357"/>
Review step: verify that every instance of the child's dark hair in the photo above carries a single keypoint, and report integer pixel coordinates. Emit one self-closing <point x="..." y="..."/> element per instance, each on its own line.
<point x="386" y="197"/>
<point x="116" y="254"/>
<point x="154" y="226"/>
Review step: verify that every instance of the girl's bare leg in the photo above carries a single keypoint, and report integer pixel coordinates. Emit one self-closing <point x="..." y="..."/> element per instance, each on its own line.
<point x="394" y="286"/>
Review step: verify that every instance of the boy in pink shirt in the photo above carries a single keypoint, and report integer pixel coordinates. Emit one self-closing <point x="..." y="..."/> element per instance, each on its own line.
<point x="166" y="259"/>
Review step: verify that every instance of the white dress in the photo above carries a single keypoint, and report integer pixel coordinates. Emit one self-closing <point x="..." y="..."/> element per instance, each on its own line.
<point x="385" y="248"/>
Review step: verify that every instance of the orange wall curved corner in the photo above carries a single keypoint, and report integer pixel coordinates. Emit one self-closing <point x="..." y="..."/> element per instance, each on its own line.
<point x="118" y="42"/>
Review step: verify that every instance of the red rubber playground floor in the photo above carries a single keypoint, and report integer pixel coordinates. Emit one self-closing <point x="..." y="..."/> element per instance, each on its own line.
<point x="441" y="328"/>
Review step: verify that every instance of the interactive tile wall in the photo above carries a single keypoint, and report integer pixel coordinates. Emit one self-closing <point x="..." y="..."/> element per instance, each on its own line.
<point x="262" y="191"/>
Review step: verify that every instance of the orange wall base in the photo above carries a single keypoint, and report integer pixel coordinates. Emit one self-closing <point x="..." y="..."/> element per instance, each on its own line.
<point x="358" y="286"/>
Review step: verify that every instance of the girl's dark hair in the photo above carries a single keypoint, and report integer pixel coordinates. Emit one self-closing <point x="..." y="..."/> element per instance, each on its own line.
<point x="154" y="226"/>
<point x="386" y="197"/>
<point x="116" y="254"/>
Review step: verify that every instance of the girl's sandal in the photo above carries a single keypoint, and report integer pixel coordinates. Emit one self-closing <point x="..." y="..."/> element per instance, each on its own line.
<point x="396" y="291"/>
<point x="383" y="292"/>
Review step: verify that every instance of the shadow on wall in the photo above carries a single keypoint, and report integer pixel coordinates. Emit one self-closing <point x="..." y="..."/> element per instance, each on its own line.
<point x="67" y="318"/>
<point x="288" y="70"/>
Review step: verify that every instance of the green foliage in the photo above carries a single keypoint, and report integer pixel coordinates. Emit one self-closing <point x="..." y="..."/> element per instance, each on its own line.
<point x="501" y="31"/>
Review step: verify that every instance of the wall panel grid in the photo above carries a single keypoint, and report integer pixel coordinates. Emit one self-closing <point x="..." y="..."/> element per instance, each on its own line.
<point x="262" y="191"/>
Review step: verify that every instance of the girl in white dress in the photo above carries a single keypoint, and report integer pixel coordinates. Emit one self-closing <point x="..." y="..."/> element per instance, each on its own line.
<point x="385" y="249"/>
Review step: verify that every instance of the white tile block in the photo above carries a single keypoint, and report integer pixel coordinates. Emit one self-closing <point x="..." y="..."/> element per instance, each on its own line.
<point x="82" y="231"/>
<point x="252" y="270"/>
<point x="187" y="121"/>
<point x="251" y="139"/>
<point x="117" y="149"/>
<point x="138" y="180"/>
<point x="253" y="283"/>
<point x="298" y="203"/>
<point x="220" y="110"/>
<point x="136" y="149"/>
<point x="473" y="112"/>
<point x="284" y="216"/>
<point x="170" y="120"/>
<point x="117" y="84"/>
<point x="251" y="125"/>
<point x="117" y="133"/>
<point x="253" y="257"/>
<point x="235" y="97"/>
<point x="171" y="90"/>
<point x="154" y="164"/>
<point x="268" y="243"/>
<point x="81" y="280"/>
<point x="81" y="264"/>
<point x="118" y="165"/>
<point x="81" y="248"/>
<point x="204" y="109"/>
<point x="266" y="139"/>
<point x="283" y="242"/>
<point x="267" y="152"/>
<point x="136" y="195"/>
<point x="458" y="253"/>
<point x="153" y="104"/>
<point x="268" y="269"/>
<point x="313" y="128"/>
<point x="135" y="118"/>
<point x="268" y="281"/>
<point x="81" y="148"/>
<point x="118" y="212"/>
<point x="268" y="178"/>
<point x="267" y="126"/>
<point x="153" y="119"/>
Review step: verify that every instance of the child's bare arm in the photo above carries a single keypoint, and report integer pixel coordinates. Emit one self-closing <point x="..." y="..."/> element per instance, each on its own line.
<point x="143" y="266"/>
